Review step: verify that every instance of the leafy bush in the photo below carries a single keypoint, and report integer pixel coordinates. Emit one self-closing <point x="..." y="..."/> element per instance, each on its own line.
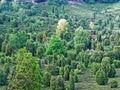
<point x="46" y="78"/>
<point x="75" y="77"/>
<point x="105" y="65"/>
<point x="52" y="83"/>
<point x="3" y="79"/>
<point x="101" y="77"/>
<point x="66" y="72"/>
<point x="60" y="83"/>
<point x="72" y="81"/>
<point x="77" y="71"/>
<point x="57" y="83"/>
<point x="113" y="84"/>
<point x="112" y="72"/>
<point x="116" y="63"/>
<point x="95" y="67"/>
<point x="56" y="45"/>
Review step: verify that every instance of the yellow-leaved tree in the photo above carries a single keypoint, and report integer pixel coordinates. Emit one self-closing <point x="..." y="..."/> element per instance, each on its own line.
<point x="63" y="30"/>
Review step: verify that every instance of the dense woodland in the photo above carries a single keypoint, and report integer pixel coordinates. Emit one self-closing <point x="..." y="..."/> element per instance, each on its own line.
<point x="49" y="46"/>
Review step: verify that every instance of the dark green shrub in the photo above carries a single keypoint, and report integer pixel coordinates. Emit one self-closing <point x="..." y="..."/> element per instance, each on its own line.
<point x="46" y="79"/>
<point x="79" y="47"/>
<point x="61" y="71"/>
<point x="61" y="61"/>
<point x="57" y="83"/>
<point x="82" y="66"/>
<point x="77" y="71"/>
<point x="52" y="68"/>
<point x="53" y="83"/>
<point x="73" y="64"/>
<point x="60" y="83"/>
<point x="95" y="67"/>
<point x="44" y="13"/>
<point x="112" y="72"/>
<point x="72" y="81"/>
<point x="113" y="84"/>
<point x="116" y="63"/>
<point x="101" y="77"/>
<point x="3" y="79"/>
<point x="71" y="54"/>
<point x="75" y="77"/>
<point x="66" y="72"/>
<point x="105" y="65"/>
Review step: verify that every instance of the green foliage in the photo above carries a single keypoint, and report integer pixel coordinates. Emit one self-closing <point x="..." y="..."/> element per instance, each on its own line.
<point x="112" y="72"/>
<point x="80" y="47"/>
<point x="77" y="71"/>
<point x="84" y="57"/>
<point x="52" y="68"/>
<point x="8" y="50"/>
<point x="57" y="83"/>
<point x="72" y="81"/>
<point x="61" y="71"/>
<point x="6" y="69"/>
<point x="82" y="66"/>
<point x="105" y="65"/>
<point x="53" y="83"/>
<point x="46" y="79"/>
<point x="30" y="46"/>
<point x="100" y="77"/>
<point x="56" y="45"/>
<point x="95" y="67"/>
<point x="75" y="77"/>
<point x="27" y="71"/>
<point x="71" y="54"/>
<point x="81" y="36"/>
<point x="56" y="2"/>
<point x="73" y="64"/>
<point x="66" y="72"/>
<point x="1" y="40"/>
<point x="39" y="51"/>
<point x="3" y="48"/>
<point x="17" y="40"/>
<point x="3" y="79"/>
<point x="116" y="63"/>
<point x="113" y="84"/>
<point x="60" y="83"/>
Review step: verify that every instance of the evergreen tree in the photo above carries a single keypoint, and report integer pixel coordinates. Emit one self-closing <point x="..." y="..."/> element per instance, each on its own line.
<point x="72" y="81"/>
<point x="26" y="75"/>
<point x="81" y="36"/>
<point x="101" y="77"/>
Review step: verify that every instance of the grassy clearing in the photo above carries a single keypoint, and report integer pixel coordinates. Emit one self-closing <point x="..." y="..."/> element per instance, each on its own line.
<point x="87" y="82"/>
<point x="89" y="9"/>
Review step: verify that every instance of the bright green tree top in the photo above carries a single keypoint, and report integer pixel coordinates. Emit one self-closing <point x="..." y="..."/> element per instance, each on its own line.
<point x="56" y="45"/>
